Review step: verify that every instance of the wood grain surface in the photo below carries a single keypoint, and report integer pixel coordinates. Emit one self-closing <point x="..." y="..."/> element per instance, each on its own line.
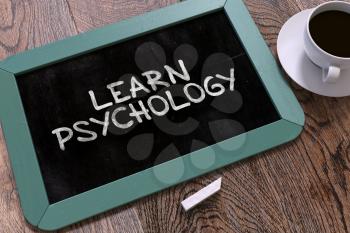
<point x="303" y="186"/>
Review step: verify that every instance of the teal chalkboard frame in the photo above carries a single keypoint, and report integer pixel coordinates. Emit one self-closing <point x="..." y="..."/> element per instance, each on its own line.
<point x="29" y="182"/>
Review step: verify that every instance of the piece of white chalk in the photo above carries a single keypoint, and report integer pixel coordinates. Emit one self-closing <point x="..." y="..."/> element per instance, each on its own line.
<point x="201" y="195"/>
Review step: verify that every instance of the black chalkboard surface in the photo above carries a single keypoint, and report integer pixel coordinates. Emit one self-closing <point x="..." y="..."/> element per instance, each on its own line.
<point x="62" y="94"/>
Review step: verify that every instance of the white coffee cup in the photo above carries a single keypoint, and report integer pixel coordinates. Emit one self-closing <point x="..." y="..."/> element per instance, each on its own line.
<point x="330" y="64"/>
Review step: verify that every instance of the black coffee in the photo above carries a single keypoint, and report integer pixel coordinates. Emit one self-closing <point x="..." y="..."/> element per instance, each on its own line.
<point x="331" y="32"/>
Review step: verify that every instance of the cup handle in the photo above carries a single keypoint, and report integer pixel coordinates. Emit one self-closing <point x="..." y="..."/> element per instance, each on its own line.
<point x="331" y="74"/>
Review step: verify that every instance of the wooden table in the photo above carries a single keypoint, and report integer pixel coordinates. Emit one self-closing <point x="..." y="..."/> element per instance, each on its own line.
<point x="303" y="186"/>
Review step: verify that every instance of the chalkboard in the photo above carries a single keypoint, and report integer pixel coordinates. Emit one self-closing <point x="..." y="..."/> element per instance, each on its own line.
<point x="106" y="114"/>
<point x="58" y="96"/>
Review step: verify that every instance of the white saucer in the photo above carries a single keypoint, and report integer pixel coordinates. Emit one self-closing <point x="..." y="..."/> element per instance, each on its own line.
<point x="290" y="49"/>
